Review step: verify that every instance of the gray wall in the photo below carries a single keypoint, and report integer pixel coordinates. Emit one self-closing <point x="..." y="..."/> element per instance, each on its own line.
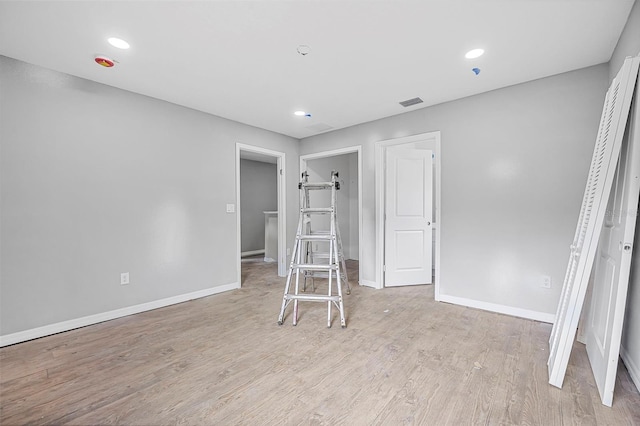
<point x="514" y="166"/>
<point x="95" y="181"/>
<point x="629" y="42"/>
<point x="258" y="193"/>
<point x="629" y="45"/>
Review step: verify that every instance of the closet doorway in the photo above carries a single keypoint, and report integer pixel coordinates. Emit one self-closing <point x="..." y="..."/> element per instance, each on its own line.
<point x="261" y="200"/>
<point x="348" y="163"/>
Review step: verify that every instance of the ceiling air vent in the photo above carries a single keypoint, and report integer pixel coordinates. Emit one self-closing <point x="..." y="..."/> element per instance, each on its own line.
<point x="319" y="127"/>
<point x="410" y="102"/>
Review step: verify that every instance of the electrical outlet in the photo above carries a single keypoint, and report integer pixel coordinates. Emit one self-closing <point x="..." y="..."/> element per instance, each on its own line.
<point x="124" y="278"/>
<point x="545" y="281"/>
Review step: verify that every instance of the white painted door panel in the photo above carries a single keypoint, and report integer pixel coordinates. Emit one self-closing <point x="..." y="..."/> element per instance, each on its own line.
<point x="603" y="329"/>
<point x="408" y="211"/>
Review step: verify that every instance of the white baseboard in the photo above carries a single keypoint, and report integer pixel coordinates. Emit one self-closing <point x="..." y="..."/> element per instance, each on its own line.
<point x="632" y="368"/>
<point x="501" y="309"/>
<point x="368" y="283"/>
<point x="59" y="327"/>
<point x="251" y="253"/>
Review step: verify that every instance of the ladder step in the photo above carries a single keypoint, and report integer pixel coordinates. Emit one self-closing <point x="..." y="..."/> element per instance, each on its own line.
<point x="324" y="254"/>
<point x="313" y="297"/>
<point x="321" y="274"/>
<point x="314" y="267"/>
<point x="315" y="237"/>
<point x="319" y="255"/>
<point x="318" y="210"/>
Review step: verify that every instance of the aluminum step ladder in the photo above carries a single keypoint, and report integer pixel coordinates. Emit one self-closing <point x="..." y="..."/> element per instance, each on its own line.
<point x="307" y="263"/>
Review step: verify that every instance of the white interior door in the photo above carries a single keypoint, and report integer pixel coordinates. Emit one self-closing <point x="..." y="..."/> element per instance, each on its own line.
<point x="408" y="211"/>
<point x="603" y="328"/>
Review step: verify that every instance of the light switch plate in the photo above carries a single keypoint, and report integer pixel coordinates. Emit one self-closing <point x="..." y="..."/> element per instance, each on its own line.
<point x="231" y="208"/>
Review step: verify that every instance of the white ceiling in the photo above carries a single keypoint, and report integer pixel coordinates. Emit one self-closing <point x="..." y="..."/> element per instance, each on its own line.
<point x="239" y="60"/>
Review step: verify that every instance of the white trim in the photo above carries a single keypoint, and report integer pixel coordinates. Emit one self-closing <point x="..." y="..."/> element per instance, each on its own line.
<point x="380" y="148"/>
<point x="501" y="309"/>
<point x="332" y="153"/>
<point x="59" y="327"/>
<point x="282" y="205"/>
<point x="368" y="283"/>
<point x="632" y="368"/>
<point x="251" y="253"/>
<point x="347" y="150"/>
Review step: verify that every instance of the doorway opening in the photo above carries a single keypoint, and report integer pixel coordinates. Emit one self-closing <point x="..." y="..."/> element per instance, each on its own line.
<point x="411" y="149"/>
<point x="261" y="201"/>
<point x="348" y="163"/>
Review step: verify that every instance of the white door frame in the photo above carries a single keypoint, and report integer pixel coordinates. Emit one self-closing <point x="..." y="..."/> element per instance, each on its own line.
<point x="282" y="203"/>
<point x="348" y="150"/>
<point x="381" y="148"/>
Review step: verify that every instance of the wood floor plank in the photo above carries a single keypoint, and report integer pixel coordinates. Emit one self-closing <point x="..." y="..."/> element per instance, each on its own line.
<point x="403" y="359"/>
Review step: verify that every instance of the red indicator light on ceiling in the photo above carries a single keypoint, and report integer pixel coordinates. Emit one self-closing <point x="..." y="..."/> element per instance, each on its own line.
<point x="105" y="62"/>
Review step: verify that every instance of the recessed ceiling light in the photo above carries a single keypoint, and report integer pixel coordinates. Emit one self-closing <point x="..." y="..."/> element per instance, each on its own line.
<point x="300" y="113"/>
<point x="118" y="42"/>
<point x="475" y="53"/>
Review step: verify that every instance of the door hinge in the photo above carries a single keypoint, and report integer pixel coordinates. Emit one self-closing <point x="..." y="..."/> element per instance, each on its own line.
<point x="280" y="172"/>
<point x="384" y="268"/>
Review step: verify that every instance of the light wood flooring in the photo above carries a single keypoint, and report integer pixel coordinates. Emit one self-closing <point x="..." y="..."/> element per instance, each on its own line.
<point x="222" y="360"/>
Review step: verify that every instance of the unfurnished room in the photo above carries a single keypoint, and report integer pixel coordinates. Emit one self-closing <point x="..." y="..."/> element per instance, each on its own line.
<point x="343" y="212"/>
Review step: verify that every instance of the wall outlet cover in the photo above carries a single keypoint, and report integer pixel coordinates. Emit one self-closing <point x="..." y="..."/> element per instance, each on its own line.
<point x="545" y="281"/>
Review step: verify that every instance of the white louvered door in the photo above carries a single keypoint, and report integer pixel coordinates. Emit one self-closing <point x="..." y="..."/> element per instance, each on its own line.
<point x="591" y="218"/>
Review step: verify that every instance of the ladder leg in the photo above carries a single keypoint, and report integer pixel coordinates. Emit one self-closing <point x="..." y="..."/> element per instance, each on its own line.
<point x="297" y="290"/>
<point x="343" y="322"/>
<point x="287" y="286"/>
<point x="329" y="303"/>
<point x="306" y="256"/>
<point x="342" y="261"/>
<point x="296" y="250"/>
